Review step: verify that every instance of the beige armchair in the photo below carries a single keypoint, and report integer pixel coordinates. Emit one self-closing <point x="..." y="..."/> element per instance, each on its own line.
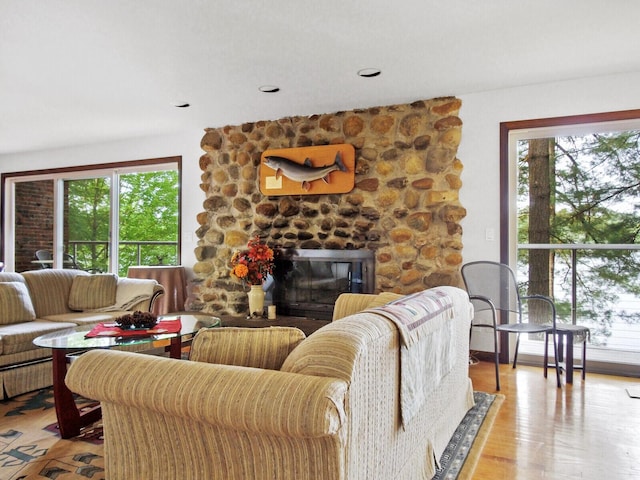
<point x="196" y="420"/>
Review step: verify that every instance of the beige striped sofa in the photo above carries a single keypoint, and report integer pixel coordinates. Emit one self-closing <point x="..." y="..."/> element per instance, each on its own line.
<point x="42" y="301"/>
<point x="270" y="404"/>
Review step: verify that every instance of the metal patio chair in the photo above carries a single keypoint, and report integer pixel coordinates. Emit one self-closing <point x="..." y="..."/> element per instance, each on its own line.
<point x="492" y="287"/>
<point x="45" y="259"/>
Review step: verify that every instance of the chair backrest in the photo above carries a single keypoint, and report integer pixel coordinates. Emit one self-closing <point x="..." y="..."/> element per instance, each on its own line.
<point x="495" y="281"/>
<point x="45" y="257"/>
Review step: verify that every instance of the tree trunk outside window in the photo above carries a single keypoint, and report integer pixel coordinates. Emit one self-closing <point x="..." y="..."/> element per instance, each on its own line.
<point x="540" y="211"/>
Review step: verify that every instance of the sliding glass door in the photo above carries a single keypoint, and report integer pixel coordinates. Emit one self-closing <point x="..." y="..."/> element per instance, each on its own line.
<point x="571" y="195"/>
<point x="100" y="220"/>
<point x="86" y="220"/>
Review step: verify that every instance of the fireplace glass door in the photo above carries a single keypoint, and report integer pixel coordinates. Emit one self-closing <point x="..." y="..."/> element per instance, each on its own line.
<point x="308" y="283"/>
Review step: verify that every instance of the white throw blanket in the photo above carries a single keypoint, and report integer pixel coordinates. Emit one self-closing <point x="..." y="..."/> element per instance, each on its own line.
<point x="130" y="292"/>
<point x="425" y="322"/>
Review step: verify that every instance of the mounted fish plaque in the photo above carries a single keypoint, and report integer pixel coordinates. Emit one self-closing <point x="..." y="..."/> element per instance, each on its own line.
<point x="308" y="170"/>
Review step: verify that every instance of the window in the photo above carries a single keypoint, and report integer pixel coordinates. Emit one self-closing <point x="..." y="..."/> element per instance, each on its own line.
<point x="99" y="218"/>
<point x="571" y="194"/>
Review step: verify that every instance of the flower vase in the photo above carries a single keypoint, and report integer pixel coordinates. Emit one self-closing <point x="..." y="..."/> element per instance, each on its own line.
<point x="256" y="300"/>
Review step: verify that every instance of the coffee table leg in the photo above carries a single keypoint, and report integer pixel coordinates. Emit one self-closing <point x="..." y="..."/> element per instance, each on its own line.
<point x="66" y="409"/>
<point x="175" y="348"/>
<point x="70" y="420"/>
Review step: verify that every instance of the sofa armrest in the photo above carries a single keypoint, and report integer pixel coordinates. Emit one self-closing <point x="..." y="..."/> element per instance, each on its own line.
<point x="248" y="347"/>
<point x="137" y="294"/>
<point x="239" y="398"/>
<point x="147" y="304"/>
<point x="350" y="303"/>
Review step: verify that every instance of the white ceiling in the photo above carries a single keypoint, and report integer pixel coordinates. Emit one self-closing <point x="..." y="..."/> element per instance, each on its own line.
<point x="82" y="71"/>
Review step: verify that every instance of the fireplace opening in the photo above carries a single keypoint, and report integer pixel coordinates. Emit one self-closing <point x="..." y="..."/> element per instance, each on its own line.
<point x="307" y="282"/>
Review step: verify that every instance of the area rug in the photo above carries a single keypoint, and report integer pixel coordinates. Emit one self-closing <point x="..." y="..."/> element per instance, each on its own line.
<point x="461" y="455"/>
<point x="31" y="447"/>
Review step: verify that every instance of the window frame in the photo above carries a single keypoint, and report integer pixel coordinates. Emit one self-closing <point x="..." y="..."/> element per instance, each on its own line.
<point x="59" y="175"/>
<point x="510" y="133"/>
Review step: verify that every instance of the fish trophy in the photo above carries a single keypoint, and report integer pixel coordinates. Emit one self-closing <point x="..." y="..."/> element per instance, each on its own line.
<point x="304" y="174"/>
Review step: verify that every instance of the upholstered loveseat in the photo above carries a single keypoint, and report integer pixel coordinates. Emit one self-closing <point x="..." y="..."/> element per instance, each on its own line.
<point x="42" y="301"/>
<point x="270" y="404"/>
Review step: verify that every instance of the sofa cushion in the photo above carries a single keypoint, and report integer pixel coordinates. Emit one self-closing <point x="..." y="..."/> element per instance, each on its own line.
<point x="89" y="292"/>
<point x="36" y="353"/>
<point x="86" y="318"/>
<point x="248" y="347"/>
<point x="15" y="303"/>
<point x="18" y="337"/>
<point x="49" y="289"/>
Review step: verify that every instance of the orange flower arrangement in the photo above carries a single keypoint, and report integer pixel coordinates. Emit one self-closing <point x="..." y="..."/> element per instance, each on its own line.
<point x="253" y="265"/>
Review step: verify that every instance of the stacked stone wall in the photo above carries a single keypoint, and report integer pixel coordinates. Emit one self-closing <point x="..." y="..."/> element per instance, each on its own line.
<point x="404" y="205"/>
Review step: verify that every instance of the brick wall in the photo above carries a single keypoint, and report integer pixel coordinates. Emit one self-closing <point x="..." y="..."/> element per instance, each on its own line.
<point x="34" y="221"/>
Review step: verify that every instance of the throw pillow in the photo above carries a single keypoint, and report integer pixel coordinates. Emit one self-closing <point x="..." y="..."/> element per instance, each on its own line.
<point x="15" y="303"/>
<point x="89" y="292"/>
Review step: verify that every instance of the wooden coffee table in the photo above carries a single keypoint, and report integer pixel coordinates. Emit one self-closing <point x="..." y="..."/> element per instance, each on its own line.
<point x="73" y="341"/>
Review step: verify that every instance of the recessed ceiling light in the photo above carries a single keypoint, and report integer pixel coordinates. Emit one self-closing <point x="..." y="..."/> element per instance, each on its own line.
<point x="369" y="72"/>
<point x="269" y="89"/>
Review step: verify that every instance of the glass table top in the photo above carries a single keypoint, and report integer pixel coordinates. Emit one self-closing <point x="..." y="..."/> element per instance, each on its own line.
<point x="74" y="338"/>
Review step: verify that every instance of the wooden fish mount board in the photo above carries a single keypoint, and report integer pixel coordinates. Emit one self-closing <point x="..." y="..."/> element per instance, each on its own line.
<point x="275" y="182"/>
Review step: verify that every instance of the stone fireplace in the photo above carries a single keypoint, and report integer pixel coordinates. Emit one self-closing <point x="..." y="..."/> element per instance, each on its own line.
<point x="404" y="206"/>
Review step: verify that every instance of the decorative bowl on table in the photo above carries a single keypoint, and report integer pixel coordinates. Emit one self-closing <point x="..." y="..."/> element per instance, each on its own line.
<point x="137" y="320"/>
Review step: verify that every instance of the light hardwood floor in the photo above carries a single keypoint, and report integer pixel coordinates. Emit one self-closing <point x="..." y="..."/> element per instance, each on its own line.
<point x="588" y="430"/>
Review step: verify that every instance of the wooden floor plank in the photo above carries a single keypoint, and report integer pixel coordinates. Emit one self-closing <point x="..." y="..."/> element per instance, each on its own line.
<point x="588" y="430"/>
